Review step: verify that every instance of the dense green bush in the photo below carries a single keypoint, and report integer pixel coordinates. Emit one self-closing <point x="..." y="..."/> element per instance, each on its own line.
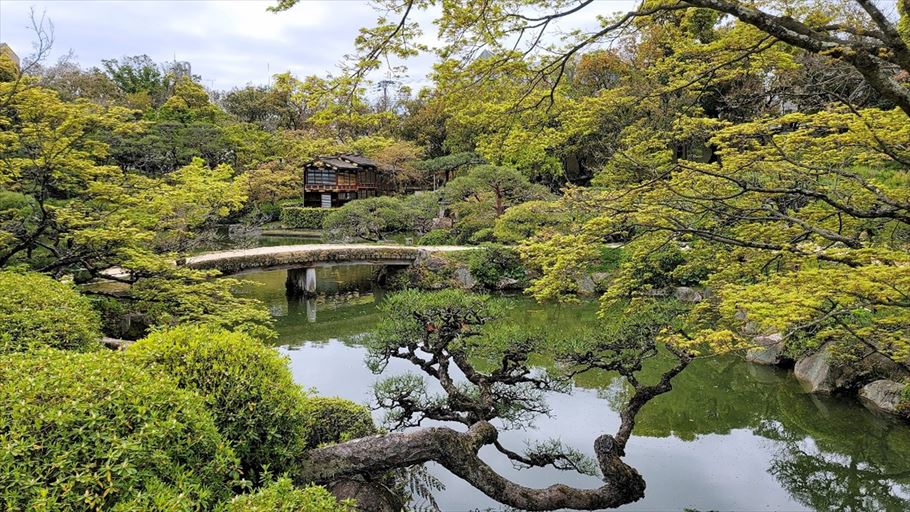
<point x="375" y="218"/>
<point x="94" y="431"/>
<point x="270" y="212"/>
<point x="301" y="217"/>
<point x="666" y="268"/>
<point x="524" y="220"/>
<point x="420" y="211"/>
<point x="367" y="219"/>
<point x="437" y="237"/>
<point x="334" y="420"/>
<point x="246" y="385"/>
<point x="38" y="311"/>
<point x="282" y="496"/>
<point x="491" y="263"/>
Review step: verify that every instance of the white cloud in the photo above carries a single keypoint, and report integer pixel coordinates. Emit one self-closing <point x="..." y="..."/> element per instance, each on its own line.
<point x="229" y="42"/>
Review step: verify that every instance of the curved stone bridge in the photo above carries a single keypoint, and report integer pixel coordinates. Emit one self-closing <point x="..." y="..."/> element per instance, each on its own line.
<point x="308" y="256"/>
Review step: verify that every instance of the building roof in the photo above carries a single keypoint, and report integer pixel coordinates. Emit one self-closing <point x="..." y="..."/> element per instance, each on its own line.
<point x="346" y="162"/>
<point x="337" y="163"/>
<point x="360" y="160"/>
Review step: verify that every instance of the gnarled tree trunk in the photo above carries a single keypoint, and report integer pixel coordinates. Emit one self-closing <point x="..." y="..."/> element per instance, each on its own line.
<point x="457" y="452"/>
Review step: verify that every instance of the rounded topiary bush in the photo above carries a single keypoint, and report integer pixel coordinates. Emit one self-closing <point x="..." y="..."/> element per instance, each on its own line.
<point x="246" y="385"/>
<point x="93" y="431"/>
<point x="282" y="496"/>
<point x="37" y="311"/>
<point x="334" y="420"/>
<point x="437" y="237"/>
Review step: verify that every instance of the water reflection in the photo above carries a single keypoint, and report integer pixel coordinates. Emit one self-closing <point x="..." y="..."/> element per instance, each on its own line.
<point x="730" y="436"/>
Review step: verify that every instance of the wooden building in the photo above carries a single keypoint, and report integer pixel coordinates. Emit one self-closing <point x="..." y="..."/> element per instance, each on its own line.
<point x="330" y="181"/>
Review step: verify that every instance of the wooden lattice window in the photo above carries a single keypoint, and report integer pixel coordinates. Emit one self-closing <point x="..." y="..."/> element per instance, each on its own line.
<point x="320" y="176"/>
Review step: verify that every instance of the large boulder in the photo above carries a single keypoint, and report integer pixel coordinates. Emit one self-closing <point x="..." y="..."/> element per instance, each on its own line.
<point x="508" y="283"/>
<point x="602" y="280"/>
<point x="819" y="373"/>
<point x="688" y="294"/>
<point x="586" y="285"/>
<point x="768" y="350"/>
<point x="463" y="278"/>
<point x="882" y="394"/>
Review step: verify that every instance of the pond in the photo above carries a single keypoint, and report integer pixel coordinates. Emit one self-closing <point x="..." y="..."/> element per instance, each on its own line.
<point x="730" y="436"/>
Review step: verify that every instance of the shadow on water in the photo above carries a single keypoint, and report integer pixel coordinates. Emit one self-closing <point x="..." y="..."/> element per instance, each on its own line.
<point x="730" y="436"/>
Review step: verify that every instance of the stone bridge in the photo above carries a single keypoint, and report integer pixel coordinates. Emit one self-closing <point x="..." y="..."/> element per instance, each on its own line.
<point x="302" y="260"/>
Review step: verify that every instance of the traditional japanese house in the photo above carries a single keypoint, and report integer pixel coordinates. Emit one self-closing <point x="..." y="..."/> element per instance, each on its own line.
<point x="330" y="181"/>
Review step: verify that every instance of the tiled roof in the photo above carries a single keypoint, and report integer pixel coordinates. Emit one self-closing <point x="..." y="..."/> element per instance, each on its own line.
<point x="337" y="162"/>
<point x="359" y="160"/>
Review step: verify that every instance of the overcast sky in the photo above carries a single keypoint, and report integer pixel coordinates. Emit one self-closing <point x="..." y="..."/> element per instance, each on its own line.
<point x="228" y="42"/>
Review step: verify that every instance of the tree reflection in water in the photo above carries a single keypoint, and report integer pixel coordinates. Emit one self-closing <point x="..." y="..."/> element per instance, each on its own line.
<point x="829" y="453"/>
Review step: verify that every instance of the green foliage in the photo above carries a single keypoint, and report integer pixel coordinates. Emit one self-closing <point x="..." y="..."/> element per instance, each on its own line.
<point x="37" y="311"/>
<point x="334" y="420"/>
<point x="9" y="70"/>
<point x="521" y="221"/>
<point x="660" y="269"/>
<point x="481" y="196"/>
<point x="246" y="385"/>
<point x="903" y="23"/>
<point x="96" y="432"/>
<point x="492" y="263"/>
<point x="449" y="164"/>
<point x="368" y="219"/>
<point x="903" y="407"/>
<point x="74" y="213"/>
<point x="610" y="259"/>
<point x="301" y="217"/>
<point x="375" y="218"/>
<point x="282" y="496"/>
<point x="437" y="237"/>
<point x="188" y="103"/>
<point x="136" y="75"/>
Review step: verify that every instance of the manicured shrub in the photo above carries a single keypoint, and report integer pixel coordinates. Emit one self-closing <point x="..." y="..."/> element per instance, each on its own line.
<point x="282" y="496"/>
<point x="301" y="217"/>
<point x="375" y="218"/>
<point x="492" y="263"/>
<point x="93" y="431"/>
<point x="437" y="237"/>
<point x="38" y="311"/>
<point x="246" y="385"/>
<point x="335" y="420"/>
<point x="367" y="219"/>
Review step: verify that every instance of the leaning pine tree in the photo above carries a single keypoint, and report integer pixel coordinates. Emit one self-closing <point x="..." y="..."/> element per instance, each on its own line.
<point x="485" y="383"/>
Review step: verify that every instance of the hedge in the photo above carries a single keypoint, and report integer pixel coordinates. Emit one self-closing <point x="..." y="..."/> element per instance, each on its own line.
<point x="302" y="217"/>
<point x="282" y="496"/>
<point x="247" y="387"/>
<point x="92" y="431"/>
<point x="332" y="420"/>
<point x="37" y="311"/>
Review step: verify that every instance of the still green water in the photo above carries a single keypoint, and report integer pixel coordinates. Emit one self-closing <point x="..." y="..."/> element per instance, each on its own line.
<point x="730" y="436"/>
